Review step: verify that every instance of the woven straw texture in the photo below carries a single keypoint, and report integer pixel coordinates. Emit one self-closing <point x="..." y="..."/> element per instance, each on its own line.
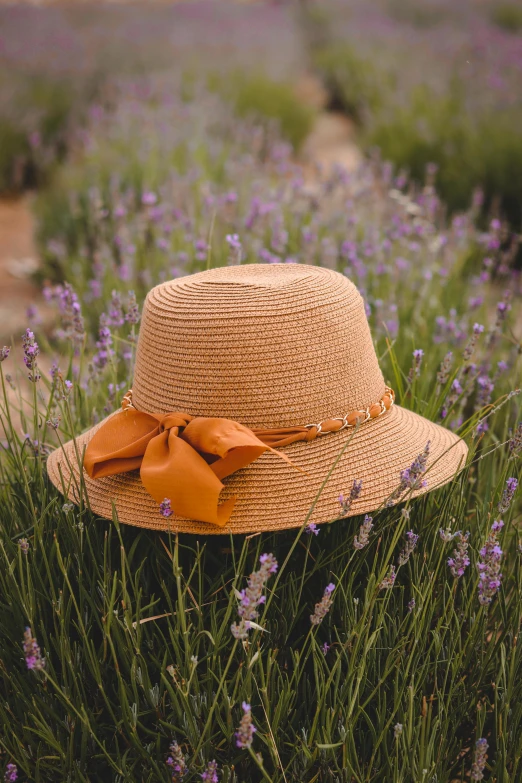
<point x="268" y="346"/>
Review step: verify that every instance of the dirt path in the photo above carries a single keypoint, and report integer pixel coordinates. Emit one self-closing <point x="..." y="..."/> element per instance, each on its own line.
<point x="18" y="262"/>
<point x="332" y="141"/>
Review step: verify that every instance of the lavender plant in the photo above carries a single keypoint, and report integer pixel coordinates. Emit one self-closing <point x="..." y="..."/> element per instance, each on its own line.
<point x="130" y="629"/>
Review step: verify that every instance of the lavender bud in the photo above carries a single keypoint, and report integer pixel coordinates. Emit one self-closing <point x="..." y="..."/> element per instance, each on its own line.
<point x="515" y="443"/>
<point x="444" y="370"/>
<point x="32" y="653"/>
<point x="252" y="596"/>
<point x="11" y="773"/>
<point x="346" y="503"/>
<point x="507" y="495"/>
<point x="165" y="509"/>
<point x="210" y="775"/>
<point x="460" y="559"/>
<point x="416" y="366"/>
<point x="388" y="581"/>
<point x="489" y="566"/>
<point x="235" y="248"/>
<point x="176" y="762"/>
<point x="479" y="760"/>
<point x="133" y="312"/>
<point x="411" y="478"/>
<point x="411" y="543"/>
<point x="31" y="352"/>
<point x="323" y="607"/>
<point x="470" y="347"/>
<point x="245" y="733"/>
<point x="361" y="540"/>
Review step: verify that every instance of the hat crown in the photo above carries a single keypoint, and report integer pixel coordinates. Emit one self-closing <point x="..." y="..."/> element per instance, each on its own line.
<point x="268" y="345"/>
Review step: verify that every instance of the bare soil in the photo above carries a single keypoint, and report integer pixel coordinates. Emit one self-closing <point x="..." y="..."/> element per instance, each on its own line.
<point x="18" y="262"/>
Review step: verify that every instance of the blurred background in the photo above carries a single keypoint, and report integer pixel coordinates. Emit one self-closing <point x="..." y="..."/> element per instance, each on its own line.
<point x="96" y="95"/>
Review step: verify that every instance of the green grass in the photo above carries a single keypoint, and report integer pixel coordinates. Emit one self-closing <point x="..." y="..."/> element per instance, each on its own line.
<point x="418" y="126"/>
<point x="265" y="100"/>
<point x="122" y="614"/>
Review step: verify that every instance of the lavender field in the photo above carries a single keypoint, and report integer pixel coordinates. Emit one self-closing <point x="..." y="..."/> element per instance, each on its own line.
<point x="157" y="141"/>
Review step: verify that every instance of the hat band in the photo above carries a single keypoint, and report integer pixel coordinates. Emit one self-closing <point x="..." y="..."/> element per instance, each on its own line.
<point x="182" y="458"/>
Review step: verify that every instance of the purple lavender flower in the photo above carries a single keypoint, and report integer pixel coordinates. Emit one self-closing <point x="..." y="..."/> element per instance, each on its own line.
<point x="115" y="316"/>
<point x="23" y="543"/>
<point x="460" y="559"/>
<point x="470" y="347"/>
<point x="411" y="605"/>
<point x="4" y="353"/>
<point x="416" y="366"/>
<point x="132" y="315"/>
<point x="479" y="760"/>
<point x="503" y="309"/>
<point x="176" y="761"/>
<point x="444" y="370"/>
<point x="447" y="535"/>
<point x="149" y="198"/>
<point x="361" y="540"/>
<point x="252" y="596"/>
<point x="245" y="733"/>
<point x="515" y="443"/>
<point x="507" y="495"/>
<point x="165" y="509"/>
<point x="31" y="352"/>
<point x="32" y="653"/>
<point x="485" y="387"/>
<point x="210" y="775"/>
<point x="389" y="580"/>
<point x="411" y="543"/>
<point x="312" y="529"/>
<point x="411" y="478"/>
<point x="201" y="247"/>
<point x="346" y="503"/>
<point x="489" y="567"/>
<point x="501" y="368"/>
<point x="325" y="647"/>
<point x="323" y="607"/>
<point x="11" y="773"/>
<point x="73" y="328"/>
<point x="235" y="248"/>
<point x="104" y="342"/>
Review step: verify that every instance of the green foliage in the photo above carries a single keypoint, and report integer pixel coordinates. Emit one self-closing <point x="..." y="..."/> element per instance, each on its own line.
<point x="35" y="127"/>
<point x="422" y="126"/>
<point x="263" y="99"/>
<point x="468" y="153"/>
<point x="353" y="81"/>
<point x="135" y="629"/>
<point x="507" y="16"/>
<point x="135" y="624"/>
<point x="419" y="15"/>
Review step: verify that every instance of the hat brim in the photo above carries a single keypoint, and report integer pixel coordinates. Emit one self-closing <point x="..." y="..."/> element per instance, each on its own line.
<point x="272" y="495"/>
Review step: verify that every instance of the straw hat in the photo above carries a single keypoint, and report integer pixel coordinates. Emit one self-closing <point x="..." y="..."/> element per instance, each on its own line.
<point x="267" y="346"/>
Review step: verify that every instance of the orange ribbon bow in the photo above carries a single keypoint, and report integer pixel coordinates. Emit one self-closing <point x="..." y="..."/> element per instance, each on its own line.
<point x="180" y="457"/>
<point x="183" y="458"/>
